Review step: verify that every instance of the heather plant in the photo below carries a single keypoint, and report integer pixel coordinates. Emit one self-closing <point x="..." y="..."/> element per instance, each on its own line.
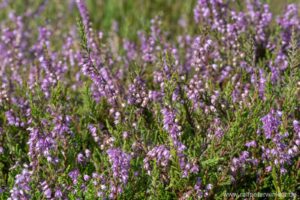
<point x="156" y="100"/>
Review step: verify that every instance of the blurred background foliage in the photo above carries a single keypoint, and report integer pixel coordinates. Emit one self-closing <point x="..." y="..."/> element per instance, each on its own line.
<point x="128" y="16"/>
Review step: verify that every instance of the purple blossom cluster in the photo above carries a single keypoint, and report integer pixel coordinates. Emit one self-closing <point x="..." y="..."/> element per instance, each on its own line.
<point x="100" y="182"/>
<point x="199" y="191"/>
<point x="289" y="22"/>
<point x="13" y="120"/>
<point x="120" y="162"/>
<point x="276" y="154"/>
<point x="162" y="157"/>
<point x="137" y="93"/>
<point x="168" y="112"/>
<point x="282" y="152"/>
<point x="22" y="189"/>
<point x="171" y="125"/>
<point x="239" y="163"/>
<point x="271" y="123"/>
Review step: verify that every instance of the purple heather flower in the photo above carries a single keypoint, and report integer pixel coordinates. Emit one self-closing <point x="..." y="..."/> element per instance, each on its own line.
<point x="162" y="156"/>
<point x="279" y="65"/>
<point x="62" y="124"/>
<point x="201" y="190"/>
<point x="239" y="163"/>
<point x="87" y="153"/>
<point x="194" y="90"/>
<point x="130" y="49"/>
<point x="93" y="131"/>
<point x="275" y="74"/>
<point x="296" y="125"/>
<point x="204" y="52"/>
<point x="279" y="154"/>
<point x="262" y="83"/>
<point x="48" y="193"/>
<point x="137" y="93"/>
<point x="80" y="158"/>
<point x="147" y="48"/>
<point x="84" y="15"/>
<point x="21" y="188"/>
<point x="283" y="170"/>
<point x="92" y="65"/>
<point x="86" y="177"/>
<point x="260" y="17"/>
<point x="120" y="162"/>
<point x="271" y="123"/>
<point x="289" y="21"/>
<point x="125" y="135"/>
<point x="41" y="144"/>
<point x="172" y="127"/>
<point x="251" y="144"/>
<point x="211" y="13"/>
<point x="269" y="168"/>
<point x="281" y="61"/>
<point x="74" y="175"/>
<point x="13" y="120"/>
<point x="58" y="193"/>
<point x="4" y="4"/>
<point x="216" y="129"/>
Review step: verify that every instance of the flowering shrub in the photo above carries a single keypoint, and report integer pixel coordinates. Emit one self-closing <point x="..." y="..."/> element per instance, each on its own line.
<point x="197" y="103"/>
